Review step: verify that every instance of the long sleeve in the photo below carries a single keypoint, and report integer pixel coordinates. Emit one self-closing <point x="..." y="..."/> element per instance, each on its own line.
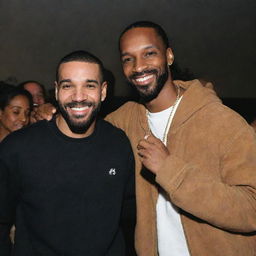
<point x="8" y="196"/>
<point x="129" y="197"/>
<point x="6" y="210"/>
<point x="227" y="198"/>
<point x="128" y="217"/>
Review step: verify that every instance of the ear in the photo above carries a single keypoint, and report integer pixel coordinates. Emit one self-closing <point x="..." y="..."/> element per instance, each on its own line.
<point x="1" y="113"/>
<point x="56" y="90"/>
<point x="169" y="56"/>
<point x="104" y="87"/>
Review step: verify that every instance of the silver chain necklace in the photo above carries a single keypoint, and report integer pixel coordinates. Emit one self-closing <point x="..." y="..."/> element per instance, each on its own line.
<point x="169" y="121"/>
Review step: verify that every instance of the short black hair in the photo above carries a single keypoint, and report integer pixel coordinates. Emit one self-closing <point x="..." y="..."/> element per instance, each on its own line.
<point x="82" y="56"/>
<point x="8" y="92"/>
<point x="148" y="24"/>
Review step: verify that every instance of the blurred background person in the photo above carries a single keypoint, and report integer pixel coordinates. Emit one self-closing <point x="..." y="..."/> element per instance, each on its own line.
<point x="38" y="93"/>
<point x="15" y="107"/>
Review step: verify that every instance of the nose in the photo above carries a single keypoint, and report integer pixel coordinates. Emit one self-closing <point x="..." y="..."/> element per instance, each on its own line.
<point x="139" y="65"/>
<point x="79" y="95"/>
<point x="23" y="118"/>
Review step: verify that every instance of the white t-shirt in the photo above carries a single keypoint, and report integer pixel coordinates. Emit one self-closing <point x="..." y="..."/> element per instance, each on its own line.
<point x="170" y="234"/>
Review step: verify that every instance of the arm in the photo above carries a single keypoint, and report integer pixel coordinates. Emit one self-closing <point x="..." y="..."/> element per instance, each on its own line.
<point x="8" y="197"/>
<point x="129" y="205"/>
<point x="128" y="217"/>
<point x="226" y="199"/>
<point x="7" y="210"/>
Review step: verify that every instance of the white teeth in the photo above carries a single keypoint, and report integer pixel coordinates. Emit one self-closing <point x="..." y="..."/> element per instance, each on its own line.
<point x="142" y="79"/>
<point x="80" y="109"/>
<point x="19" y="126"/>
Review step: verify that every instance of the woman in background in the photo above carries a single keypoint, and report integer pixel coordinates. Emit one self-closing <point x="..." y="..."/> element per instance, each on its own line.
<point x="15" y="107"/>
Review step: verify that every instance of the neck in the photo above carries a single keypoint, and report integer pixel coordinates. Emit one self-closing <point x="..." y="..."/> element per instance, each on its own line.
<point x="63" y="127"/>
<point x="164" y="100"/>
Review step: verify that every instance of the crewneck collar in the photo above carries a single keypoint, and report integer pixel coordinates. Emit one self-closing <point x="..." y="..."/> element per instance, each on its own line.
<point x="57" y="132"/>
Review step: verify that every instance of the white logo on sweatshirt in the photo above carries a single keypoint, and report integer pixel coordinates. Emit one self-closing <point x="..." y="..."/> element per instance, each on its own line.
<point x="112" y="171"/>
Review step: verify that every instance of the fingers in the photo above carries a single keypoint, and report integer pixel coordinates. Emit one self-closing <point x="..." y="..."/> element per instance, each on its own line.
<point x="150" y="146"/>
<point x="44" y="111"/>
<point x="143" y="153"/>
<point x="148" y="141"/>
<point x="145" y="148"/>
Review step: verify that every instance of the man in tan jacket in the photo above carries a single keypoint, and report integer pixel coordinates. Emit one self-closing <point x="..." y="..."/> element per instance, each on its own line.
<point x="195" y="158"/>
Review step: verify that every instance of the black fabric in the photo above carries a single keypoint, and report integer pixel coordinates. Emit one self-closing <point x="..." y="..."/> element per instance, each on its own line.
<point x="67" y="194"/>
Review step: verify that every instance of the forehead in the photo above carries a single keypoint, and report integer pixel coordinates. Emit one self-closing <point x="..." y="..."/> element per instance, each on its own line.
<point x="32" y="86"/>
<point x="19" y="101"/>
<point x="140" y="38"/>
<point x="79" y="69"/>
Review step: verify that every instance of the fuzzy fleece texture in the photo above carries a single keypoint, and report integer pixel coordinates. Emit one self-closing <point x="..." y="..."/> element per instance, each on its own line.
<point x="210" y="175"/>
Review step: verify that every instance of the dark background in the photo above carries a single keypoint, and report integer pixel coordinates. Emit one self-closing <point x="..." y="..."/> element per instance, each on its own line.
<point x="211" y="39"/>
<point x="214" y="40"/>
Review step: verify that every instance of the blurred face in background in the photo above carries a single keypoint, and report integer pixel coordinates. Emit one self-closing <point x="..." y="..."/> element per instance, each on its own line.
<point x="15" y="115"/>
<point x="37" y="93"/>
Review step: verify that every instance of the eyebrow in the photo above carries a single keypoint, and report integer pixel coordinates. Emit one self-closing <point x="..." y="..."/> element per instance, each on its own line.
<point x="19" y="107"/>
<point x="87" y="80"/>
<point x="146" y="48"/>
<point x="14" y="106"/>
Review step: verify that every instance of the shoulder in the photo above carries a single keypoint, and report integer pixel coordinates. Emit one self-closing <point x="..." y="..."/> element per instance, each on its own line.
<point x="115" y="141"/>
<point x="123" y="111"/>
<point x="24" y="136"/>
<point x="223" y="124"/>
<point x="222" y="115"/>
<point x="111" y="135"/>
<point x="31" y="129"/>
<point x="124" y="115"/>
<point x="110" y="130"/>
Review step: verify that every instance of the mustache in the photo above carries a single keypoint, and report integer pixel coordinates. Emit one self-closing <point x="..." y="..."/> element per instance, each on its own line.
<point x="145" y="72"/>
<point x="78" y="104"/>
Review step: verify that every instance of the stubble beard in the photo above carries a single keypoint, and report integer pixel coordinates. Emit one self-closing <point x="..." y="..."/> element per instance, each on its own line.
<point x="73" y="121"/>
<point x="149" y="92"/>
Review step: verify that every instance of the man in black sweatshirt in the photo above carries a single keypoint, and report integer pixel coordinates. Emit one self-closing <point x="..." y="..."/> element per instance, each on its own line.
<point x="66" y="183"/>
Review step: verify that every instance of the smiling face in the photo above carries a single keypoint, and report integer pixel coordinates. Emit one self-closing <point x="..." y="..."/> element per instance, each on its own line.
<point x="15" y="115"/>
<point x="79" y="92"/>
<point x="145" y="61"/>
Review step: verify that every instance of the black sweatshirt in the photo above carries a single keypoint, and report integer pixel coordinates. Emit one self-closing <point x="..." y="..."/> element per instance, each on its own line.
<point x="65" y="195"/>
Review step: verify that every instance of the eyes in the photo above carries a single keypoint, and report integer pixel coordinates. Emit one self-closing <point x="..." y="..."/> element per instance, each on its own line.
<point x="65" y="86"/>
<point x="146" y="55"/>
<point x="18" y="111"/>
<point x="68" y="86"/>
<point x="126" y="59"/>
<point x="151" y="53"/>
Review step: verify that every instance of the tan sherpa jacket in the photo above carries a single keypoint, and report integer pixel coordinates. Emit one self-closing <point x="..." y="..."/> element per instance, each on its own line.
<point x="210" y="175"/>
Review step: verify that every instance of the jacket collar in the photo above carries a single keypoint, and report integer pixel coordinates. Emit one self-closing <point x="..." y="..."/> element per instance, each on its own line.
<point x="195" y="97"/>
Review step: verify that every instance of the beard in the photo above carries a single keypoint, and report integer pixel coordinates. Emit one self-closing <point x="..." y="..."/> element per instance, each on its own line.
<point x="147" y="92"/>
<point x="73" y="122"/>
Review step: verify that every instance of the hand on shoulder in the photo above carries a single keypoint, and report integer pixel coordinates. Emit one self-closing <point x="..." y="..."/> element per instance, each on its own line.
<point x="43" y="112"/>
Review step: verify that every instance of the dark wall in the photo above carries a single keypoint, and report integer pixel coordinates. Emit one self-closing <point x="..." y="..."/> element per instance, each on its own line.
<point x="214" y="39"/>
